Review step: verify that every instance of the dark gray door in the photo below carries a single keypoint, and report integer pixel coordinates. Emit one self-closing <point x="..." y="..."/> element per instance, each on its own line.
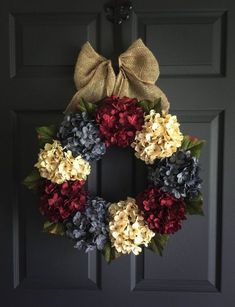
<point x="194" y="44"/>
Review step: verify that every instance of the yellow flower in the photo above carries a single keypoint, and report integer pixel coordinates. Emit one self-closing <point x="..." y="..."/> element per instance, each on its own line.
<point x="58" y="166"/>
<point x="127" y="228"/>
<point x="160" y="137"/>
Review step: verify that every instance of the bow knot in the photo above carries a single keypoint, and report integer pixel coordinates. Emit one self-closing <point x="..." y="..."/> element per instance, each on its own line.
<point x="95" y="79"/>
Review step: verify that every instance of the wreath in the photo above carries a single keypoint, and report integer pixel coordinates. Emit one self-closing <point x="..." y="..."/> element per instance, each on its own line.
<point x="89" y="128"/>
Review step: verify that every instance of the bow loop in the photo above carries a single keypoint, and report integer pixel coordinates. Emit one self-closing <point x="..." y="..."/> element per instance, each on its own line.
<point x="140" y="62"/>
<point x="95" y="78"/>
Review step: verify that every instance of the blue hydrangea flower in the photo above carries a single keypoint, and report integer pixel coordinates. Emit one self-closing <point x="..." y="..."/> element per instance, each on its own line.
<point x="178" y="175"/>
<point x="89" y="229"/>
<point x="80" y="134"/>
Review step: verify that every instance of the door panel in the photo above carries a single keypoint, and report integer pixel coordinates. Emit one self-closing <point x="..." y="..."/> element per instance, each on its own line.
<point x="46" y="44"/>
<point x="194" y="44"/>
<point x="34" y="266"/>
<point x="191" y="261"/>
<point x="179" y="34"/>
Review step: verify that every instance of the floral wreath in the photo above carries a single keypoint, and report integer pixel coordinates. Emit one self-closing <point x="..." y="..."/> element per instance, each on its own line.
<point x="100" y="115"/>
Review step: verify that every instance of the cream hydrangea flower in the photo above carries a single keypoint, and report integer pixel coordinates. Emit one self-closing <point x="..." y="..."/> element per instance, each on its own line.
<point x="58" y="166"/>
<point x="160" y="137"/>
<point x="127" y="228"/>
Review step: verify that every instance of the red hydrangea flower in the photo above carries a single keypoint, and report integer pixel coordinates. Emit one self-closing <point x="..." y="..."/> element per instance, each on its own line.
<point x="59" y="201"/>
<point x="162" y="211"/>
<point x="118" y="119"/>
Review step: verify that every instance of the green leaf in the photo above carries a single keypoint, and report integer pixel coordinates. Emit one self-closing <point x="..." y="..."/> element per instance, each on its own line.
<point x="32" y="181"/>
<point x="110" y="253"/>
<point x="158" y="243"/>
<point x="85" y="106"/>
<point x="53" y="228"/>
<point x="148" y="105"/>
<point x="195" y="206"/>
<point x="144" y="104"/>
<point x="193" y="144"/>
<point x="158" y="106"/>
<point x="46" y="134"/>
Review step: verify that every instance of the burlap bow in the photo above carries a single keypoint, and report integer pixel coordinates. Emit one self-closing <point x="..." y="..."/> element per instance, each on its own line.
<point x="95" y="78"/>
